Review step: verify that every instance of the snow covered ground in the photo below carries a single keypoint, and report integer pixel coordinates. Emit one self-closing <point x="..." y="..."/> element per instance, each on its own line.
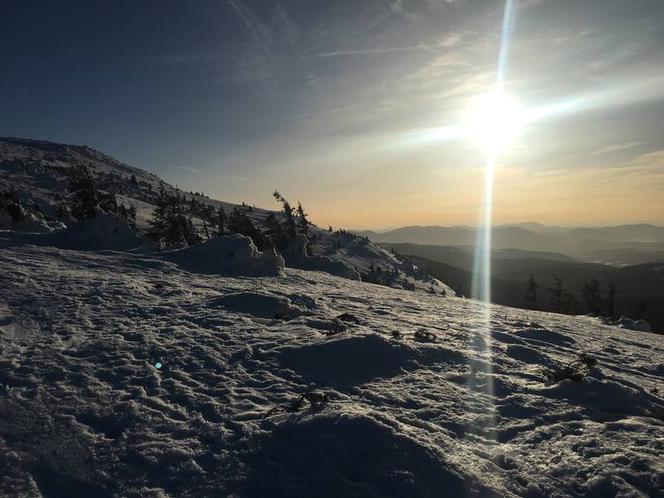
<point x="125" y="375"/>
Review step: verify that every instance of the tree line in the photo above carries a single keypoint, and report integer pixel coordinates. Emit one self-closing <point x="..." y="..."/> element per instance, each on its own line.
<point x="84" y="199"/>
<point x="172" y="222"/>
<point x="561" y="300"/>
<point x="178" y="221"/>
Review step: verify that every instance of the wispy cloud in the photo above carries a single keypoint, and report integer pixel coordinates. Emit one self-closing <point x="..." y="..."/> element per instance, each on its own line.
<point x="257" y="29"/>
<point x="373" y="51"/>
<point x="189" y="169"/>
<point x="615" y="148"/>
<point x="258" y="63"/>
<point x="178" y="59"/>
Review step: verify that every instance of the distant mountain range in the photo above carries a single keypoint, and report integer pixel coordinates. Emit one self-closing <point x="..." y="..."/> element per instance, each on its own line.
<point x="615" y="245"/>
<point x="640" y="287"/>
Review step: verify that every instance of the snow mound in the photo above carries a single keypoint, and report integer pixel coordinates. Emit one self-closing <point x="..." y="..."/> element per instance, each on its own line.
<point x="258" y="304"/>
<point x="104" y="232"/>
<point x="339" y="455"/>
<point x="232" y="255"/>
<point x="607" y="397"/>
<point x="628" y="323"/>
<point x="546" y="336"/>
<point x="349" y="360"/>
<point x="297" y="257"/>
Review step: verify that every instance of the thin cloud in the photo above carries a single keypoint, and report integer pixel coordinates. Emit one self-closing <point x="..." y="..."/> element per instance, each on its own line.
<point x="257" y="29"/>
<point x="373" y="51"/>
<point x="616" y="148"/>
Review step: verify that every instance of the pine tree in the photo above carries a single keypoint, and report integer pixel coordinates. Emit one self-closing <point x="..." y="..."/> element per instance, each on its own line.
<point x="239" y="222"/>
<point x="107" y="202"/>
<point x="275" y="232"/>
<point x="290" y="226"/>
<point x="569" y="303"/>
<point x="84" y="197"/>
<point x="557" y="294"/>
<point x="302" y="222"/>
<point x="592" y="297"/>
<point x="530" y="296"/>
<point x="610" y="303"/>
<point x="170" y="223"/>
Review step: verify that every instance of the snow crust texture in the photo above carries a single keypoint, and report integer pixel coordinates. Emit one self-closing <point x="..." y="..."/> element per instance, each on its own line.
<point x="129" y="376"/>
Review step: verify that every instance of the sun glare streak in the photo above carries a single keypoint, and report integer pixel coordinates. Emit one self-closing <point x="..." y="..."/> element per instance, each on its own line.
<point x="496" y="118"/>
<point x="425" y="136"/>
<point x="500" y="120"/>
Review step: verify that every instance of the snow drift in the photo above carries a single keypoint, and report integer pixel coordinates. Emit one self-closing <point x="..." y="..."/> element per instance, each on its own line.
<point x="297" y="256"/>
<point x="104" y="232"/>
<point x="232" y="255"/>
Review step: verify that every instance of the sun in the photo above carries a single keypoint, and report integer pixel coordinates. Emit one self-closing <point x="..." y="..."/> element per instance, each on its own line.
<point x="494" y="120"/>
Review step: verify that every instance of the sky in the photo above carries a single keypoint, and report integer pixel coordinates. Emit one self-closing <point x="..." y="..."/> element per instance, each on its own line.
<point x="340" y="104"/>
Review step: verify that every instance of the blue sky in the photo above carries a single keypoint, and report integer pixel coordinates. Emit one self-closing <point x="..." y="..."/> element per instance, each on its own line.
<point x="327" y="101"/>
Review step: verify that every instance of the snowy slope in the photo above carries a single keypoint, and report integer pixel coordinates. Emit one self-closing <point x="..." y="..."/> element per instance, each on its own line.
<point x="84" y="410"/>
<point x="38" y="172"/>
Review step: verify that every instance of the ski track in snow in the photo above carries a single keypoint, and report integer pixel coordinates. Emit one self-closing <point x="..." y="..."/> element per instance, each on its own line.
<point x="85" y="412"/>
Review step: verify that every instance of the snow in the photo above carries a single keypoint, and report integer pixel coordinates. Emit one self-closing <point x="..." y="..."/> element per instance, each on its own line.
<point x="37" y="171"/>
<point x="29" y="222"/>
<point x="297" y="256"/>
<point x="106" y="231"/>
<point x="628" y="323"/>
<point x="232" y="255"/>
<point x="84" y="411"/>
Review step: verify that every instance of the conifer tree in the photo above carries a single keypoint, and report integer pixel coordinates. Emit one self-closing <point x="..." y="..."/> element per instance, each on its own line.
<point x="239" y="222"/>
<point x="290" y="226"/>
<point x="84" y="196"/>
<point x="275" y="232"/>
<point x="592" y="297"/>
<point x="557" y="294"/>
<point x="302" y="221"/>
<point x="530" y="296"/>
<point x="170" y="223"/>
<point x="610" y="303"/>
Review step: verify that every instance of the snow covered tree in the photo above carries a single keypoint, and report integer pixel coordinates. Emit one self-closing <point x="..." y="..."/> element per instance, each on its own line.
<point x="169" y="222"/>
<point x="84" y="199"/>
<point x="530" y="296"/>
